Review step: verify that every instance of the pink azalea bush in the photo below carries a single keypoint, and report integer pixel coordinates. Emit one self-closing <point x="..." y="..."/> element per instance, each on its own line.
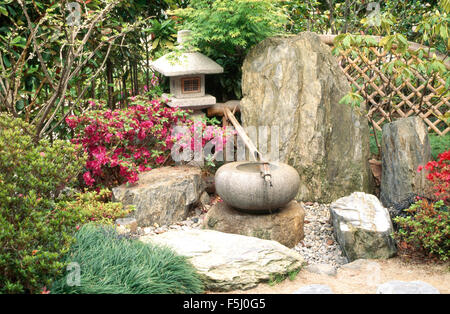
<point x="122" y="143"/>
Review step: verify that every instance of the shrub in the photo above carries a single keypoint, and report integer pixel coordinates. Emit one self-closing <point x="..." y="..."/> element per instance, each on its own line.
<point x="226" y="30"/>
<point x="121" y="143"/>
<point x="426" y="230"/>
<point x="124" y="142"/>
<point x="94" y="206"/>
<point x="33" y="235"/>
<point x="110" y="263"/>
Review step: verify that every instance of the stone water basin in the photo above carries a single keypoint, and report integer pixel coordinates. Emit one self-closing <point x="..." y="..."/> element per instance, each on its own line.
<point x="240" y="185"/>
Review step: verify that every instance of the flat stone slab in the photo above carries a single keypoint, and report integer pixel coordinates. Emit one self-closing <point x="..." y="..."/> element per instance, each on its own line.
<point x="163" y="195"/>
<point x="321" y="269"/>
<point x="406" y="287"/>
<point x="360" y="264"/>
<point x="314" y="289"/>
<point x="284" y="226"/>
<point x="363" y="227"/>
<point x="230" y="261"/>
<point x="199" y="102"/>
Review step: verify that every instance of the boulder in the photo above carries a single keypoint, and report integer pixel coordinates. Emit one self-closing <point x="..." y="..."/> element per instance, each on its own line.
<point x="362" y="227"/>
<point x="294" y="84"/>
<point x="163" y="195"/>
<point x="230" y="261"/>
<point x="405" y="287"/>
<point x="404" y="146"/>
<point x="284" y="226"/>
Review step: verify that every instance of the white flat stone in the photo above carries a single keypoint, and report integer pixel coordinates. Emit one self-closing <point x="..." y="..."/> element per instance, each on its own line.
<point x="406" y="287"/>
<point x="314" y="289"/>
<point x="229" y="261"/>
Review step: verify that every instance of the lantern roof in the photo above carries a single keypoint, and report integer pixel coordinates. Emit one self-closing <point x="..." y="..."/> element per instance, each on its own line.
<point x="186" y="63"/>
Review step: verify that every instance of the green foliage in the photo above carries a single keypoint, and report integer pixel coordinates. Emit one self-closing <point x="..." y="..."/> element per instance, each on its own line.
<point x="278" y="278"/>
<point x="225" y="30"/>
<point x="427" y="229"/>
<point x="439" y="144"/>
<point x="32" y="234"/>
<point x="110" y="263"/>
<point x="94" y="206"/>
<point x="406" y="71"/>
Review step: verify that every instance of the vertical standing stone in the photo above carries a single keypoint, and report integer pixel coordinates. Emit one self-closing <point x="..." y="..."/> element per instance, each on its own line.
<point x="295" y="84"/>
<point x="405" y="146"/>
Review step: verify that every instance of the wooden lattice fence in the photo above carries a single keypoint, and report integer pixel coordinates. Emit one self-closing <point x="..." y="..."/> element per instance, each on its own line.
<point x="387" y="99"/>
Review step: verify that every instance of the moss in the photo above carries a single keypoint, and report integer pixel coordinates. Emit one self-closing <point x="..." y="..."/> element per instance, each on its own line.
<point x="278" y="278"/>
<point x="262" y="234"/>
<point x="212" y="222"/>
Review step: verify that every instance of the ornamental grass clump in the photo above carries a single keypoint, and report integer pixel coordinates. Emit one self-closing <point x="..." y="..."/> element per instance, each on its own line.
<point x="111" y="263"/>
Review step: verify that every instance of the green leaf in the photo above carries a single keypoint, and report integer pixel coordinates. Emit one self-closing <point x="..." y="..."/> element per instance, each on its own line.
<point x="3" y="10"/>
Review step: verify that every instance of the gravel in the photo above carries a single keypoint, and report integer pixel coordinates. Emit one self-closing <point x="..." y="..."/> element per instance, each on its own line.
<point x="319" y="245"/>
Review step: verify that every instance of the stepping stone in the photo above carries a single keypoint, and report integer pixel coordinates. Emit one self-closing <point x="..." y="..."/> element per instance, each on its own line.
<point x="406" y="287"/>
<point x="230" y="261"/>
<point x="321" y="269"/>
<point x="361" y="264"/>
<point x="314" y="289"/>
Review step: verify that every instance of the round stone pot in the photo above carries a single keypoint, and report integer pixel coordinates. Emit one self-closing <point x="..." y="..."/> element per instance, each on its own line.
<point x="241" y="186"/>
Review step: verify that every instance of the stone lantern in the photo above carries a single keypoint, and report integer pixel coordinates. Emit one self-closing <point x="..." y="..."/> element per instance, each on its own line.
<point x="187" y="76"/>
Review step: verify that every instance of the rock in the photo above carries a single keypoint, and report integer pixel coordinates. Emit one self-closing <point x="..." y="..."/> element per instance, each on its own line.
<point x="362" y="227"/>
<point x="361" y="264"/>
<point x="230" y="261"/>
<point x="204" y="199"/>
<point x="163" y="195"/>
<point x="314" y="289"/>
<point x="405" y="287"/>
<point x="320" y="269"/>
<point x="294" y="83"/>
<point x="405" y="146"/>
<point x="125" y="225"/>
<point x="210" y="187"/>
<point x="284" y="226"/>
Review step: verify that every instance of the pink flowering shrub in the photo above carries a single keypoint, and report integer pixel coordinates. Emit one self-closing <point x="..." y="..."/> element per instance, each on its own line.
<point x="122" y="143"/>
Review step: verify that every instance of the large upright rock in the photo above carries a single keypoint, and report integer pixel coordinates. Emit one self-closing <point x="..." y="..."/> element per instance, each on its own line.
<point x="404" y="146"/>
<point x="163" y="196"/>
<point x="295" y="84"/>
<point x="230" y="261"/>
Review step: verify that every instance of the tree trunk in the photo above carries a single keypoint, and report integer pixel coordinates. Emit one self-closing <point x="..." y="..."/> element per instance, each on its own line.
<point x="110" y="82"/>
